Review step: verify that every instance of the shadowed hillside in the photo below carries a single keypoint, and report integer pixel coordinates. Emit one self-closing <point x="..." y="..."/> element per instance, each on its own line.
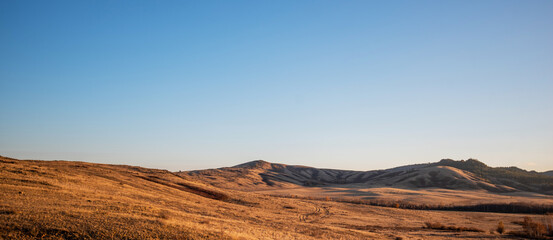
<point x="513" y="177"/>
<point x="446" y="174"/>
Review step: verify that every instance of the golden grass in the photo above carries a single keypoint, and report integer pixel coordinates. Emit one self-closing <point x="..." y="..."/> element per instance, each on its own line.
<point x="75" y="200"/>
<point x="535" y="229"/>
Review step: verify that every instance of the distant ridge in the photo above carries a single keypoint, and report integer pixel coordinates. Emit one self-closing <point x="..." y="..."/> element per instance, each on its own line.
<point x="510" y="176"/>
<point x="257" y="164"/>
<point x="468" y="174"/>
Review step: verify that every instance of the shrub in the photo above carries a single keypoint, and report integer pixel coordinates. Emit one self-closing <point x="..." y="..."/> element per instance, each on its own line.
<point x="500" y="227"/>
<point x="535" y="230"/>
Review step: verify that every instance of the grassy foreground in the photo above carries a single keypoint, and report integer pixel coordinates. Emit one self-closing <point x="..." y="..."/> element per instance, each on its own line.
<point x="76" y="200"/>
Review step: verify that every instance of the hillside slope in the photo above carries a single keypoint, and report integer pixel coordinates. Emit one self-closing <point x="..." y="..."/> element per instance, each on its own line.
<point x="512" y="177"/>
<point x="458" y="175"/>
<point x="76" y="200"/>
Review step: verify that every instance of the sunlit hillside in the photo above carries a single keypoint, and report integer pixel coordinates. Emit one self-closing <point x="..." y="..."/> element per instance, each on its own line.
<point x="77" y="200"/>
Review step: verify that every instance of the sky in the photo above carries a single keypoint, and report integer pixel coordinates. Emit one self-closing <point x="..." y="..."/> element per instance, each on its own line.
<point x="359" y="85"/>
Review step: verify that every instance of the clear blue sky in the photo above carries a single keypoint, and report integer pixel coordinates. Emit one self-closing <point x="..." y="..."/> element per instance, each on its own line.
<point x="338" y="84"/>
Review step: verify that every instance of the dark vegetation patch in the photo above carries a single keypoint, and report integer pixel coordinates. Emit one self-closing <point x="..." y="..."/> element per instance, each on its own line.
<point x="374" y="228"/>
<point x="439" y="226"/>
<point x="518" y="207"/>
<point x="535" y="230"/>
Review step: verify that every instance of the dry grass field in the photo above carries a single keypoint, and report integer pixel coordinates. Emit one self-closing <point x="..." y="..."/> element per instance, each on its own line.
<point x="76" y="200"/>
<point x="433" y="196"/>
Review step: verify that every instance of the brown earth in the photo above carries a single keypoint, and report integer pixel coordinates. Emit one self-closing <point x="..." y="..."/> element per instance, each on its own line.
<point x="77" y="200"/>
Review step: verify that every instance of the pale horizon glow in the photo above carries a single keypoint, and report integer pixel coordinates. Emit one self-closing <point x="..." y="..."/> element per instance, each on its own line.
<point x="357" y="85"/>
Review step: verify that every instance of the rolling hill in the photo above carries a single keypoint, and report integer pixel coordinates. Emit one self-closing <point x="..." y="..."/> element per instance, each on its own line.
<point x="446" y="174"/>
<point x="79" y="200"/>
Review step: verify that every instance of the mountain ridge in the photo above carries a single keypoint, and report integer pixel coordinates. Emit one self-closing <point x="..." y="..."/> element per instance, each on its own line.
<point x="447" y="173"/>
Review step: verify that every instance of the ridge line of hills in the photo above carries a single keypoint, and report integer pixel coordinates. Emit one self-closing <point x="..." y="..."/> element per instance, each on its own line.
<point x="468" y="174"/>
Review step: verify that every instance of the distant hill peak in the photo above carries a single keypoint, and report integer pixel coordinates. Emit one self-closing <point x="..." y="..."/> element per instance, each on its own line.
<point x="262" y="164"/>
<point x="470" y="163"/>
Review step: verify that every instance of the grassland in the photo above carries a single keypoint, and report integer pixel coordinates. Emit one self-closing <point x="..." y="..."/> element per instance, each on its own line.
<point x="76" y="200"/>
